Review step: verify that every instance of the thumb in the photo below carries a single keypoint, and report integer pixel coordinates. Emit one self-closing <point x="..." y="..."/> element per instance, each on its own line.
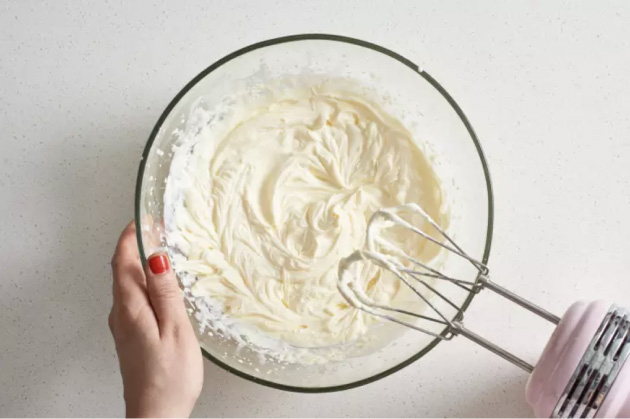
<point x="164" y="293"/>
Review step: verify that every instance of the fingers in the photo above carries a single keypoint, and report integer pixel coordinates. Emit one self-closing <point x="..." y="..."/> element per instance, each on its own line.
<point x="155" y="286"/>
<point x="129" y="281"/>
<point x="164" y="293"/>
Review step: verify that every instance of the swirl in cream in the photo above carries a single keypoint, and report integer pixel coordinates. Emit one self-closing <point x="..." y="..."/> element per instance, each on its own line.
<point x="274" y="200"/>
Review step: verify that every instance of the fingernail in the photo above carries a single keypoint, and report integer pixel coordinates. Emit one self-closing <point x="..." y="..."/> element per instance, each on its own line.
<point x="158" y="264"/>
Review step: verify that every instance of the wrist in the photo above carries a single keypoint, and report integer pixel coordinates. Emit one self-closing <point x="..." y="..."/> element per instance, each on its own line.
<point x="156" y="409"/>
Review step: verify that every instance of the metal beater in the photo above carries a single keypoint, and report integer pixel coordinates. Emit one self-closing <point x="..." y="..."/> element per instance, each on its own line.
<point x="582" y="371"/>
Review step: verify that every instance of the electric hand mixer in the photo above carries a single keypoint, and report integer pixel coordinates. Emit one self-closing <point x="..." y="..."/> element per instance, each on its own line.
<point x="582" y="371"/>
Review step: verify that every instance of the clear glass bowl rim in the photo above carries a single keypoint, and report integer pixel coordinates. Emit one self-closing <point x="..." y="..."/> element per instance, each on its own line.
<point x="360" y="43"/>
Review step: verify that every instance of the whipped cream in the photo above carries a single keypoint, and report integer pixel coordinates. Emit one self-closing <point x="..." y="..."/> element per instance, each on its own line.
<point x="264" y="201"/>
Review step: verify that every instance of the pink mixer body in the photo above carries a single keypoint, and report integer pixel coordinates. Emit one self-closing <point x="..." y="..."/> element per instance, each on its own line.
<point x="577" y="375"/>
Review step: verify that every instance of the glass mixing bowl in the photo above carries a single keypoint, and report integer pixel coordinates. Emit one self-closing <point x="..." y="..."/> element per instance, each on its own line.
<point x="440" y="128"/>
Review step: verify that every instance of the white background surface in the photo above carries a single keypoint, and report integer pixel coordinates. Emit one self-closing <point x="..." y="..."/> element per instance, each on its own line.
<point x="545" y="84"/>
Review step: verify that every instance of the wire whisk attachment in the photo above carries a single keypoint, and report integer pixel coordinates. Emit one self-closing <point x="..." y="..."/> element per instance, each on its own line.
<point x="423" y="280"/>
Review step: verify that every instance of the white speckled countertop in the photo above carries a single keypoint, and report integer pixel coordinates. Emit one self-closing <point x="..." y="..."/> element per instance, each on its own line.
<point x="545" y="85"/>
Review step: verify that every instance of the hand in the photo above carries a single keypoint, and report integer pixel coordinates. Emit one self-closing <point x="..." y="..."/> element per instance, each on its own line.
<point x="160" y="359"/>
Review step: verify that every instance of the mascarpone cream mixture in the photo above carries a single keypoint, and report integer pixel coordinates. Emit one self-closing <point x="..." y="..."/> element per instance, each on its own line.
<point x="265" y="202"/>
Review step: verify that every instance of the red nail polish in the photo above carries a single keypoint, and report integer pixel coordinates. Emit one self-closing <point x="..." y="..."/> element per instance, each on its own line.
<point x="158" y="264"/>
